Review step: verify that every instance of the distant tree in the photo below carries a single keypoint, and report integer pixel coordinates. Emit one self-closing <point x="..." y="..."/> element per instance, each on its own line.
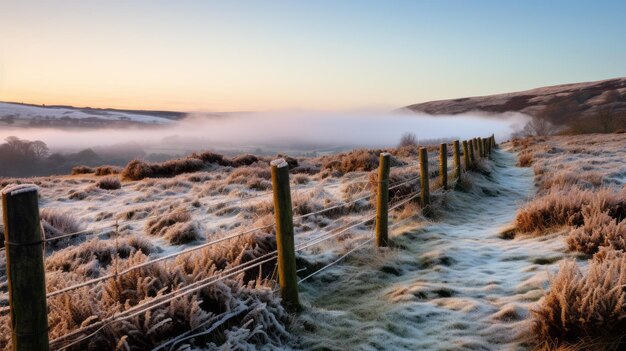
<point x="538" y="126"/>
<point x="408" y="139"/>
<point x="40" y="149"/>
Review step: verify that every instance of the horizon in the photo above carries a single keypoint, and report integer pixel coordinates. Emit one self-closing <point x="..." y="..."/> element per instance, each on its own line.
<point x="247" y="56"/>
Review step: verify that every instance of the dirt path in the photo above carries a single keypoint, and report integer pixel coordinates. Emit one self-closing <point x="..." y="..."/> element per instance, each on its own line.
<point x="452" y="284"/>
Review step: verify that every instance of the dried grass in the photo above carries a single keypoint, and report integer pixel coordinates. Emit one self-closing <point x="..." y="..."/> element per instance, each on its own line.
<point x="176" y="227"/>
<point x="589" y="304"/>
<point x="564" y="207"/>
<point x="109" y="183"/>
<point x="107" y="170"/>
<point x="599" y="230"/>
<point x="82" y="170"/>
<point x="253" y="316"/>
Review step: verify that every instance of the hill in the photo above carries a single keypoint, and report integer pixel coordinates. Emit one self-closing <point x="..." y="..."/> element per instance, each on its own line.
<point x="17" y="114"/>
<point x="559" y="104"/>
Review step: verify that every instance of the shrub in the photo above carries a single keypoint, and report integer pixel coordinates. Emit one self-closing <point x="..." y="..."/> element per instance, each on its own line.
<point x="137" y="170"/>
<point x="82" y="170"/>
<point x="107" y="170"/>
<point x="211" y="157"/>
<point x="599" y="230"/>
<point x="525" y="159"/>
<point x="354" y="161"/>
<point x="408" y="139"/>
<point x="57" y="222"/>
<point x="564" y="207"/>
<point x="109" y="183"/>
<point x="301" y="179"/>
<point x="589" y="304"/>
<point x="250" y="314"/>
<point x="176" y="227"/>
<point x="244" y="160"/>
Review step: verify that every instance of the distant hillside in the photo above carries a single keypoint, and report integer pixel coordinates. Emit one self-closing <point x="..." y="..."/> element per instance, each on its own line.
<point x="27" y="115"/>
<point x="559" y="104"/>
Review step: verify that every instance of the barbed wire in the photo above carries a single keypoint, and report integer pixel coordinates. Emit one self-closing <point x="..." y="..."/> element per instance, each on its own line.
<point x="330" y="234"/>
<point x="147" y="263"/>
<point x="156" y="302"/>
<point x="336" y="261"/>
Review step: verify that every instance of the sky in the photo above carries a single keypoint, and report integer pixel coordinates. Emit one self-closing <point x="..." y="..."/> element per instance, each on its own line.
<point x="299" y="55"/>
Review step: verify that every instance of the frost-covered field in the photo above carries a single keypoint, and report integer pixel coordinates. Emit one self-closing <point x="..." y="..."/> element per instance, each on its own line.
<point x="465" y="277"/>
<point x="35" y="113"/>
<point x="161" y="216"/>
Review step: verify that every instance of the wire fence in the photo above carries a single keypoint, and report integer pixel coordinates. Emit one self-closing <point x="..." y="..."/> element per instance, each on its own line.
<point x="349" y="219"/>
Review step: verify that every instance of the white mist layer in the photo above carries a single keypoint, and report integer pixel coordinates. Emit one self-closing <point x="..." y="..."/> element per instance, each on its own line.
<point x="251" y="129"/>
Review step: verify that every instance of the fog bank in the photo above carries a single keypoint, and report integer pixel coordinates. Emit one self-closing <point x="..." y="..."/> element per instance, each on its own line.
<point x="204" y="131"/>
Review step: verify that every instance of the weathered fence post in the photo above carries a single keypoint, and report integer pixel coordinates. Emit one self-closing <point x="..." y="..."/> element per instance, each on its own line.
<point x="466" y="155"/>
<point x="443" y="165"/>
<point x="457" y="159"/>
<point x="488" y="145"/>
<point x="424" y="181"/>
<point x="471" y="151"/>
<point x="287" y="277"/>
<point x="481" y="147"/>
<point x="25" y="268"/>
<point x="382" y="201"/>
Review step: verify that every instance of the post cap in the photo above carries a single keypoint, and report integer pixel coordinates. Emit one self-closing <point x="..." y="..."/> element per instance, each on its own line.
<point x="16" y="189"/>
<point x="279" y="163"/>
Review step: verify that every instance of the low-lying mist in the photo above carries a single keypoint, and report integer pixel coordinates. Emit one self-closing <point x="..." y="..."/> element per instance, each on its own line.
<point x="282" y="131"/>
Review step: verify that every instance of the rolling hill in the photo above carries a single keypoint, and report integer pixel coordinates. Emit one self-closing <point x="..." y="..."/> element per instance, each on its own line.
<point x="559" y="103"/>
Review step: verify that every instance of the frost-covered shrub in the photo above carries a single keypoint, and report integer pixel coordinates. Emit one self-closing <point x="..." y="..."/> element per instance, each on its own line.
<point x="91" y="257"/>
<point x="525" y="159"/>
<point x="211" y="157"/>
<point x="57" y="222"/>
<point x="564" y="207"/>
<point x="584" y="304"/>
<point x="244" y="160"/>
<point x="301" y="179"/>
<point x="82" y="170"/>
<point x="599" y="230"/>
<point x="176" y="227"/>
<point x="240" y="312"/>
<point x="109" y="183"/>
<point x="107" y="170"/>
<point x="137" y="170"/>
<point x="357" y="160"/>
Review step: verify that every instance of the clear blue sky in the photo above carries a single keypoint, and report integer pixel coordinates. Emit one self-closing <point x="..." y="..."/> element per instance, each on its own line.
<point x="265" y="55"/>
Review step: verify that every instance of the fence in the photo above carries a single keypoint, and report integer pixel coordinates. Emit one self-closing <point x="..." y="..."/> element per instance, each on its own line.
<point x="24" y="239"/>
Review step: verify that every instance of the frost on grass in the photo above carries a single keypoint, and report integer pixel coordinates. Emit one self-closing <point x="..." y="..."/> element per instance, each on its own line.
<point x="109" y="183"/>
<point x="240" y="312"/>
<point x="177" y="227"/>
<point x="584" y="305"/>
<point x="581" y="185"/>
<point x="56" y="223"/>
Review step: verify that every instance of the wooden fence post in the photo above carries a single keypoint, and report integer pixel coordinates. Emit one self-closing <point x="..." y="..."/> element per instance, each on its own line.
<point x="481" y="147"/>
<point x="283" y="215"/>
<point x="457" y="159"/>
<point x="382" y="201"/>
<point x="466" y="155"/>
<point x="25" y="268"/>
<point x="443" y="165"/>
<point x="424" y="177"/>
<point x="471" y="151"/>
<point x="488" y="145"/>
